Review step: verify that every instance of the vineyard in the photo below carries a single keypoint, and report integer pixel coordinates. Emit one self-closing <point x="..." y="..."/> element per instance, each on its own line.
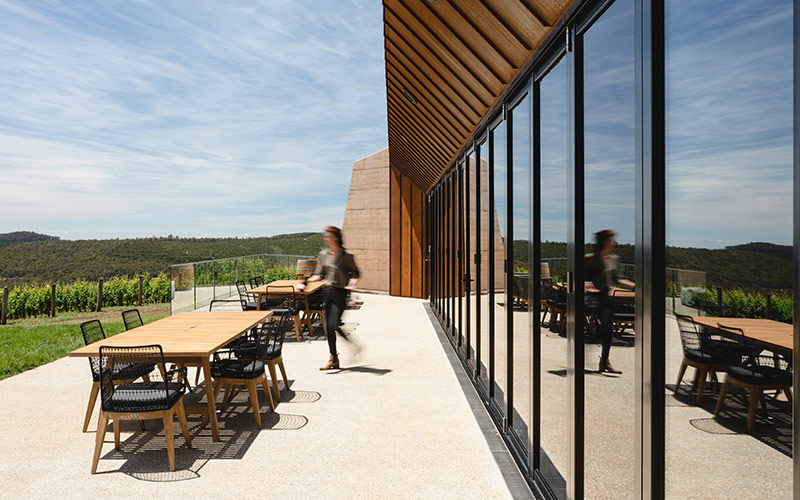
<point x="32" y="300"/>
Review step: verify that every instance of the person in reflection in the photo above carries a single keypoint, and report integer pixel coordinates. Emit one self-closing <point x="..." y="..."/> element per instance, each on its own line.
<point x="338" y="267"/>
<point x="601" y="272"/>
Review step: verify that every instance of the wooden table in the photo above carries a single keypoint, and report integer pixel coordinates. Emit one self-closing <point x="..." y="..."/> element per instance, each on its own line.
<point x="311" y="287"/>
<point x="764" y="333"/>
<point x="188" y="338"/>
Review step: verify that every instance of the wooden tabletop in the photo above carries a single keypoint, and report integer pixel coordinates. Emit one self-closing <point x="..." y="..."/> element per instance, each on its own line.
<point x="311" y="286"/>
<point x="767" y="333"/>
<point x="184" y="335"/>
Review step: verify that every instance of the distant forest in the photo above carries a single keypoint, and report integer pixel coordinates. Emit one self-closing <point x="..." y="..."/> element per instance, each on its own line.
<point x="49" y="259"/>
<point x="756" y="267"/>
<point x="23" y="237"/>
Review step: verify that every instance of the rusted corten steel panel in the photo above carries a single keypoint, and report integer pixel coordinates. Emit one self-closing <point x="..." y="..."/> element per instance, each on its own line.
<point x="447" y="64"/>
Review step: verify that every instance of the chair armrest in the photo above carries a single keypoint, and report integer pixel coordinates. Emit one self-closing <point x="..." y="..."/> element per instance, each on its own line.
<point x="176" y="375"/>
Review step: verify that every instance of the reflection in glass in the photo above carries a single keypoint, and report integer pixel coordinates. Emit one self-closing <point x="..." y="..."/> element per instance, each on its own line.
<point x="471" y="216"/>
<point x="609" y="175"/>
<point x="520" y="281"/>
<point x="485" y="231"/>
<point x="500" y="300"/>
<point x="729" y="184"/>
<point x="554" y="397"/>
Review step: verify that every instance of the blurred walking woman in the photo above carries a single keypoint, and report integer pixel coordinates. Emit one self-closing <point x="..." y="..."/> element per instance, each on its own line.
<point x="338" y="267"/>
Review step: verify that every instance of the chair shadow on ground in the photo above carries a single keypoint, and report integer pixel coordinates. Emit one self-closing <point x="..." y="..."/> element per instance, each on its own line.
<point x="144" y="454"/>
<point x="773" y="428"/>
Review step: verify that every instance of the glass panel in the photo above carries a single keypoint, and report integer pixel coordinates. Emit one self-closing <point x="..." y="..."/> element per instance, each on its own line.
<point x="729" y="184"/>
<point x="485" y="230"/>
<point x="554" y="397"/>
<point x="520" y="282"/>
<point x="609" y="200"/>
<point x="472" y="215"/>
<point x="499" y="285"/>
<point x="458" y="275"/>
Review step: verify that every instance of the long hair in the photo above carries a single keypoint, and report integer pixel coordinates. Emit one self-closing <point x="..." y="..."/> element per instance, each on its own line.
<point x="601" y="237"/>
<point x="337" y="233"/>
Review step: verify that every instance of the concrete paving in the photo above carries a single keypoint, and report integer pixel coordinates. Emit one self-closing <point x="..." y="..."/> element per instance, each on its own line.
<point x="393" y="423"/>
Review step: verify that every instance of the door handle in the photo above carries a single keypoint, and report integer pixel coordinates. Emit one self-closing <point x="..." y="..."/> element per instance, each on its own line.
<point x="570" y="283"/>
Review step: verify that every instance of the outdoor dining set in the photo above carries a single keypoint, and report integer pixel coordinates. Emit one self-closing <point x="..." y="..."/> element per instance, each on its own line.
<point x="141" y="373"/>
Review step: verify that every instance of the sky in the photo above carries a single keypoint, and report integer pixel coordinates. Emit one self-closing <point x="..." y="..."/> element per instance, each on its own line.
<point x="227" y="118"/>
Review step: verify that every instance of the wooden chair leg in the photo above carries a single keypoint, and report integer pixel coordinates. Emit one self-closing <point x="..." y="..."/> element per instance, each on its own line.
<point x="701" y="383"/>
<point x="141" y="425"/>
<point x="116" y="434"/>
<point x="788" y="393"/>
<point x="283" y="372"/>
<point x="251" y="388"/>
<point x="228" y="393"/>
<point x="297" y="326"/>
<point x="197" y="375"/>
<point x="322" y="322"/>
<point x="723" y="391"/>
<point x="265" y="388"/>
<point x="681" y="372"/>
<point x="184" y="426"/>
<point x="274" y="378"/>
<point x="755" y="395"/>
<point x="90" y="407"/>
<point x="168" y="433"/>
<point x="102" y="423"/>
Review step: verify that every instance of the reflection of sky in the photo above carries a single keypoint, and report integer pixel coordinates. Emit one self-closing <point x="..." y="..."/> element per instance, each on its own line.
<point x="521" y="136"/>
<point x="553" y="153"/>
<point x="500" y="175"/>
<point x="729" y="122"/>
<point x="609" y="127"/>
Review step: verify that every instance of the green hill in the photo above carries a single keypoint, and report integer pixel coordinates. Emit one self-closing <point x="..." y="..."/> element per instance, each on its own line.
<point x="67" y="261"/>
<point x="23" y="237"/>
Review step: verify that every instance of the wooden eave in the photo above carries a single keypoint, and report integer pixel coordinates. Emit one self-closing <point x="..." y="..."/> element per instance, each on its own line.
<point x="447" y="64"/>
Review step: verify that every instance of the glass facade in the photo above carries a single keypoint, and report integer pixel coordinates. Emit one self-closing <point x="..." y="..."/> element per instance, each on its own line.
<point x="612" y="253"/>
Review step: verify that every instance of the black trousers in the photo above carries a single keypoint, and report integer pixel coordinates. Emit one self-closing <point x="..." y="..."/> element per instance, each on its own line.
<point x="335" y="299"/>
<point x="606" y="317"/>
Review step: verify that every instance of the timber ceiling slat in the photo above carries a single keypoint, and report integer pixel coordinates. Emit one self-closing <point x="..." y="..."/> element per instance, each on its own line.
<point x="447" y="143"/>
<point x="439" y="88"/>
<point x="456" y="90"/>
<point x="442" y="59"/>
<point x="460" y="126"/>
<point x="449" y="42"/>
<point x="520" y="19"/>
<point x="455" y="58"/>
<point x="478" y="43"/>
<point x="419" y="137"/>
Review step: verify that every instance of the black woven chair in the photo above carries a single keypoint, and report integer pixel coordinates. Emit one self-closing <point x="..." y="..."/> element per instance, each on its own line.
<point x="283" y="298"/>
<point x="92" y="332"/>
<point x="256" y="281"/>
<point x="316" y="306"/>
<point x="226" y="305"/>
<point x="623" y="309"/>
<point x="248" y="302"/>
<point x="132" y="319"/>
<point x="705" y="352"/>
<point x="757" y="374"/>
<point x="244" y="365"/>
<point x="160" y="397"/>
<point x="556" y="297"/>
<point x="273" y="353"/>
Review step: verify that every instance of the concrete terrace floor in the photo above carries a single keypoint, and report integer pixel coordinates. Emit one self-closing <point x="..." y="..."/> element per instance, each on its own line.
<point x="393" y="423"/>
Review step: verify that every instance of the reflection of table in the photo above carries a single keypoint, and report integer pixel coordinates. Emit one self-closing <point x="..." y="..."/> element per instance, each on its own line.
<point x="261" y="294"/>
<point x="188" y="338"/>
<point x="764" y="333"/>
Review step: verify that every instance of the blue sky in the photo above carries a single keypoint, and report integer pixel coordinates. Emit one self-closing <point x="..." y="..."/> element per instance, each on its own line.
<point x="225" y="118"/>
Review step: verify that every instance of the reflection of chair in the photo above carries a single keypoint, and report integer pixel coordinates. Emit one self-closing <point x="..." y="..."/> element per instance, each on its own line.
<point x="520" y="289"/>
<point x="244" y="365"/>
<point x="706" y="353"/>
<point x="556" y="297"/>
<point x="142" y="400"/>
<point x="757" y="374"/>
<point x="248" y="302"/>
<point x="316" y="304"/>
<point x="623" y="309"/>
<point x="132" y="319"/>
<point x="256" y="282"/>
<point x="92" y="332"/>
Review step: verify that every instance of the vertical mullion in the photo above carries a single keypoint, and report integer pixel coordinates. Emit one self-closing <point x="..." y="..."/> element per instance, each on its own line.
<point x="650" y="241"/>
<point x="509" y="269"/>
<point x="477" y="260"/>
<point x="575" y="251"/>
<point x="466" y="255"/>
<point x="535" y="288"/>
<point x="490" y="236"/>
<point x="460" y="254"/>
<point x="796" y="274"/>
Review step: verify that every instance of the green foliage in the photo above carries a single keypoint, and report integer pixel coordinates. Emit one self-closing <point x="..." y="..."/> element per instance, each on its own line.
<point x="23" y="237"/>
<point x="32" y="300"/>
<point x="64" y="261"/>
<point x="739" y="304"/>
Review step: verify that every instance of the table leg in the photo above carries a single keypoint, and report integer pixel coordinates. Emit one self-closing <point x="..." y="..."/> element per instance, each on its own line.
<point x="258" y="301"/>
<point x="212" y="407"/>
<point x="308" y="315"/>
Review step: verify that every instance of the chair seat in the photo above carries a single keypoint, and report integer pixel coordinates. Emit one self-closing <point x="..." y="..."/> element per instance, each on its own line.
<point x="246" y="349"/>
<point x="127" y="371"/>
<point x="705" y="357"/>
<point x="144" y="396"/>
<point x="237" y="368"/>
<point x="761" y="375"/>
<point x="250" y="305"/>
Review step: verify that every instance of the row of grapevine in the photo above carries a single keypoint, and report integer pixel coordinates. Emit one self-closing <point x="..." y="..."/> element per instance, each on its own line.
<point x="27" y="301"/>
